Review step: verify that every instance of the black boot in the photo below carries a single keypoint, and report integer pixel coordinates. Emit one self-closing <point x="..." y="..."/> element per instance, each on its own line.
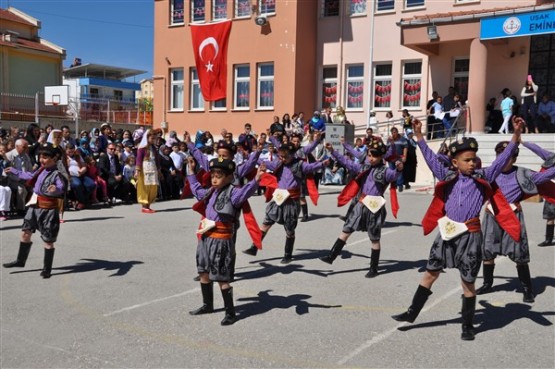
<point x="549" y="229"/>
<point x="334" y="252"/>
<point x="418" y="301"/>
<point x="468" y="309"/>
<point x="375" y="259"/>
<point x="230" y="316"/>
<point x="253" y="250"/>
<point x="288" y="255"/>
<point x="207" y="300"/>
<point x="48" y="259"/>
<point x="304" y="211"/>
<point x="22" y="255"/>
<point x="523" y="271"/>
<point x="488" y="280"/>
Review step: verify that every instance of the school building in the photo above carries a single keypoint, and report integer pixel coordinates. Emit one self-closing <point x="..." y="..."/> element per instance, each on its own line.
<point x="290" y="56"/>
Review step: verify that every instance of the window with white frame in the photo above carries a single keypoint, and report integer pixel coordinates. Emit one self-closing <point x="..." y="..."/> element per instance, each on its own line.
<point x="355" y="86"/>
<point x="177" y="10"/>
<point x="414" y="3"/>
<point x="242" y="8"/>
<point x="198" y="9"/>
<point x="242" y="85"/>
<point x="197" y="101"/>
<point x="219" y="9"/>
<point x="266" y="7"/>
<point x="357" y="7"/>
<point x="329" y="87"/>
<point x="176" y="91"/>
<point x="461" y="68"/>
<point x="219" y="104"/>
<point x="412" y="84"/>
<point x="383" y="5"/>
<point x="265" y="98"/>
<point x="382" y="85"/>
<point x="330" y="8"/>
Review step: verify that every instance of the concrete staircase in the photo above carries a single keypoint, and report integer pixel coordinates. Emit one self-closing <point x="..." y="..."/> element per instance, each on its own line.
<point x="486" y="144"/>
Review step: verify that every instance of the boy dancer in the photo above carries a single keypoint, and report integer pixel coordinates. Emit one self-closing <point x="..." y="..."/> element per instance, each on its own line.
<point x="368" y="214"/>
<point x="549" y="204"/>
<point x="220" y="206"/>
<point x="289" y="172"/>
<point x="458" y="199"/>
<point x="42" y="213"/>
<point x="516" y="184"/>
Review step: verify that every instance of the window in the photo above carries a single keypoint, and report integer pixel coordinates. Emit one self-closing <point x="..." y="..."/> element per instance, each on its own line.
<point x="461" y="67"/>
<point x="242" y="8"/>
<point x="177" y="12"/>
<point x="382" y="85"/>
<point x="358" y="7"/>
<point x="330" y="8"/>
<point x="413" y="3"/>
<point x="329" y="87"/>
<point x="219" y="104"/>
<point x="355" y="86"/>
<point x="118" y="95"/>
<point x="412" y="84"/>
<point x="267" y="6"/>
<point x="242" y="86"/>
<point x="176" y="89"/>
<point x="197" y="101"/>
<point x="94" y="93"/>
<point x="265" y="91"/>
<point x="219" y="9"/>
<point x="385" y="5"/>
<point x="197" y="10"/>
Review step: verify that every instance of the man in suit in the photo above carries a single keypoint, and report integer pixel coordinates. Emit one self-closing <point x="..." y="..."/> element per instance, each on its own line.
<point x="111" y="171"/>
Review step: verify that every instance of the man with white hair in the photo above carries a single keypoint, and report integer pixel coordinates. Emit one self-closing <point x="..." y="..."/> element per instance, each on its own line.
<point x="19" y="159"/>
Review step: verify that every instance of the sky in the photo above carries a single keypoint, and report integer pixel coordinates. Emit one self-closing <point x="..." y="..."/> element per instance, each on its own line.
<point x="110" y="32"/>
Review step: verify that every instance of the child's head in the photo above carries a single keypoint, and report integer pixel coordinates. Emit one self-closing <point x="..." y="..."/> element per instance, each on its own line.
<point x="499" y="148"/>
<point x="286" y="152"/>
<point x="225" y="149"/>
<point x="47" y="155"/>
<point x="221" y="172"/>
<point x="463" y="155"/>
<point x="130" y="160"/>
<point x="376" y="151"/>
<point x="90" y="160"/>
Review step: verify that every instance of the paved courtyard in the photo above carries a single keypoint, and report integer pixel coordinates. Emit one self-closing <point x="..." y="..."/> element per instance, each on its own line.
<point x="122" y="286"/>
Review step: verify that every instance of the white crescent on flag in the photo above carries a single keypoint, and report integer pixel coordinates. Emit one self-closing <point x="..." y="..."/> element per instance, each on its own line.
<point x="208" y="41"/>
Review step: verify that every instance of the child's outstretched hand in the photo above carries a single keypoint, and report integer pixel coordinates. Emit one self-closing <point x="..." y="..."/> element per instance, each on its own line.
<point x="329" y="146"/>
<point x="518" y="125"/>
<point x="417" y="127"/>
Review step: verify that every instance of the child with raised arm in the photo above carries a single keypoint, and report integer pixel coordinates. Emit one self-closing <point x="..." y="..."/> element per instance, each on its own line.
<point x="458" y="199"/>
<point x="220" y="206"/>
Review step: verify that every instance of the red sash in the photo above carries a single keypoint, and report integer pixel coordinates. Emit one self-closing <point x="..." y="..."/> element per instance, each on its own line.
<point x="312" y="189"/>
<point x="501" y="208"/>
<point x="547" y="189"/>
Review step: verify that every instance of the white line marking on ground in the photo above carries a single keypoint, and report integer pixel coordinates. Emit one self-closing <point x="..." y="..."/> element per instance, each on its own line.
<point x="197" y="289"/>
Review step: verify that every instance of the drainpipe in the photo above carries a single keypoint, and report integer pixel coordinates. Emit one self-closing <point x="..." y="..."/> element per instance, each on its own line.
<point x="339" y="95"/>
<point x="371" y="90"/>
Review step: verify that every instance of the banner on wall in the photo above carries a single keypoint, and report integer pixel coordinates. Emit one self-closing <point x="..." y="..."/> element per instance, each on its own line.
<point x="210" y="48"/>
<point x="518" y="25"/>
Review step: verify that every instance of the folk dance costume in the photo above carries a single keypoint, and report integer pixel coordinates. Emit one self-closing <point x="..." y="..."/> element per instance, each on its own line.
<point x="43" y="209"/>
<point x="216" y="247"/>
<point x="549" y="203"/>
<point x="516" y="184"/>
<point x="283" y="188"/>
<point x="147" y="171"/>
<point x="368" y="213"/>
<point x="456" y="206"/>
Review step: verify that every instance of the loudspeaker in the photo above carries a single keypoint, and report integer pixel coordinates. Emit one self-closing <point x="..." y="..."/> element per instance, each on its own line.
<point x="260" y="20"/>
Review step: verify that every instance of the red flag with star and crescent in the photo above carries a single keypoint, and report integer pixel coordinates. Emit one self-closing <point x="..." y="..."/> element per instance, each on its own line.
<point x="210" y="48"/>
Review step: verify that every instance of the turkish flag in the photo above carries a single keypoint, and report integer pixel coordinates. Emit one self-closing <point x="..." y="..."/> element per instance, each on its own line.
<point x="210" y="48"/>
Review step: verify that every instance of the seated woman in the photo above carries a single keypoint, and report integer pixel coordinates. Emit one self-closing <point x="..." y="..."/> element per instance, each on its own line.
<point x="81" y="185"/>
<point x="334" y="174"/>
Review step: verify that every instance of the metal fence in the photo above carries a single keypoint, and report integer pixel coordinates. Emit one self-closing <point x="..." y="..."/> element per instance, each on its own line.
<point x="28" y="108"/>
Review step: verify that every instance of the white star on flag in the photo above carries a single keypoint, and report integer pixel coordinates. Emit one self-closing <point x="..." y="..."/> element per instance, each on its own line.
<point x="209" y="67"/>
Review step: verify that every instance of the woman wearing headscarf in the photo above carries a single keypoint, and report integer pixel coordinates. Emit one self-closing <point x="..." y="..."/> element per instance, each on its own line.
<point x="409" y="169"/>
<point x="93" y="142"/>
<point x="147" y="172"/>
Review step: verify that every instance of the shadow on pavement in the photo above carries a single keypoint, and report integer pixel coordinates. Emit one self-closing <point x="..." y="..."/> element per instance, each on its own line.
<point x="267" y="270"/>
<point x="172" y="210"/>
<point x="264" y="302"/>
<point x="90" y="265"/>
<point x="91" y="219"/>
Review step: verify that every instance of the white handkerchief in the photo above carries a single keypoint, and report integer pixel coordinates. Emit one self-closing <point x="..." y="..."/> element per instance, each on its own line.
<point x="450" y="229"/>
<point x="279" y="196"/>
<point x="206" y="225"/>
<point x="33" y="200"/>
<point x="373" y="203"/>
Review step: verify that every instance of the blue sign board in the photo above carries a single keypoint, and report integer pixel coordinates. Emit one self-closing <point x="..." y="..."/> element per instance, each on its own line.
<point x="517" y="25"/>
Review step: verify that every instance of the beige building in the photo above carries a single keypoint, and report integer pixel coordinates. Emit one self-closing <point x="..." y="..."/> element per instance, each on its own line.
<point x="359" y="54"/>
